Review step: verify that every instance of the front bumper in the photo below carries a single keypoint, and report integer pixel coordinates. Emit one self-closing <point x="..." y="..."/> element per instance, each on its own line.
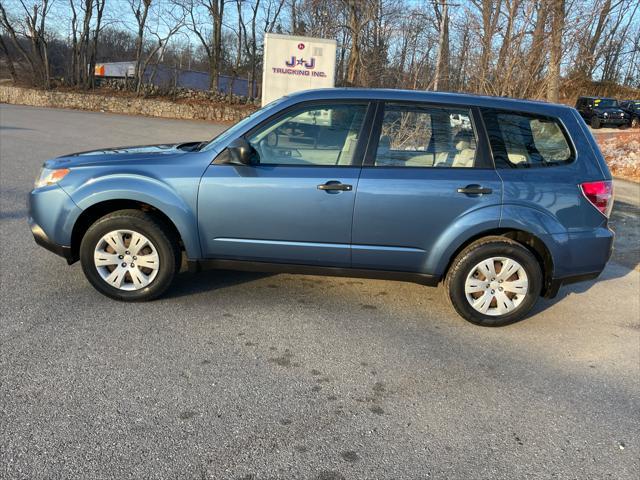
<point x="52" y="215"/>
<point x="41" y="239"/>
<point x="614" y="121"/>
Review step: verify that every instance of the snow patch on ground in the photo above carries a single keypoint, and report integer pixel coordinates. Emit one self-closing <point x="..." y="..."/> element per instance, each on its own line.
<point x="622" y="154"/>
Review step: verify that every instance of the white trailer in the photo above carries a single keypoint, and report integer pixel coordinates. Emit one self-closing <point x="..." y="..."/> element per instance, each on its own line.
<point x="115" y="69"/>
<point x="293" y="63"/>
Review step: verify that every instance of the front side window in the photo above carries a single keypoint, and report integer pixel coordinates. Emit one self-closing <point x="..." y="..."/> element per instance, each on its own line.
<point x="425" y="136"/>
<point x="524" y="140"/>
<point x="311" y="135"/>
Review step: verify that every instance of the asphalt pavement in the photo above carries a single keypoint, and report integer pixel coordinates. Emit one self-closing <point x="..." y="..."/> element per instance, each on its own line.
<point x="256" y="376"/>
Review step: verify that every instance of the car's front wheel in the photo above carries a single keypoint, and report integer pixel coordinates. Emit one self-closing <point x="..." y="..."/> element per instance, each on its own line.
<point x="493" y="282"/>
<point x="130" y="255"/>
<point x="635" y="122"/>
<point x="595" y="122"/>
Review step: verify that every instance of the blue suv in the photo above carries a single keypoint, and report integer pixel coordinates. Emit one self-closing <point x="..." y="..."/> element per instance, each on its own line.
<point x="501" y="200"/>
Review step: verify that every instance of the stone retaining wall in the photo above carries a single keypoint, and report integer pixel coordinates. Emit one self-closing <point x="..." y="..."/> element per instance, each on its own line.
<point x="215" y="112"/>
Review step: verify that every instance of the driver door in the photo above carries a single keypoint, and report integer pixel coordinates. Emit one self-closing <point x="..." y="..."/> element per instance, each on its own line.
<point x="295" y="203"/>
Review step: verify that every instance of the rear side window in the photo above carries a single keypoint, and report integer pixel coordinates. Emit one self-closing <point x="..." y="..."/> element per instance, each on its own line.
<point x="425" y="136"/>
<point x="520" y="140"/>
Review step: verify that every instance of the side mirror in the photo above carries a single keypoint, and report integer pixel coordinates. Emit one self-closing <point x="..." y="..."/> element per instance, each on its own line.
<point x="241" y="151"/>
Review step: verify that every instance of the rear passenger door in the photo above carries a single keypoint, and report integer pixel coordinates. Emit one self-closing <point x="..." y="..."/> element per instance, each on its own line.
<point x="426" y="170"/>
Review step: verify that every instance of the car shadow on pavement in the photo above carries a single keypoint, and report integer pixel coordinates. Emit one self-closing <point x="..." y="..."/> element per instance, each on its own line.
<point x="188" y="283"/>
<point x="612" y="271"/>
<point x="625" y="222"/>
<point x="8" y="127"/>
<point x="625" y="258"/>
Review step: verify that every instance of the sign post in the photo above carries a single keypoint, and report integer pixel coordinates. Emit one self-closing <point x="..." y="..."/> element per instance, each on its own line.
<point x="293" y="63"/>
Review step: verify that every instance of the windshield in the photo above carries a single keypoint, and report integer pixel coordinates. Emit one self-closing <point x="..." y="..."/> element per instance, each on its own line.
<point x="229" y="132"/>
<point x="605" y="102"/>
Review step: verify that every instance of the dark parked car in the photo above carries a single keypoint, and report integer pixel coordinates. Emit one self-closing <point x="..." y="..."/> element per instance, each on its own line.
<point x="632" y="107"/>
<point x="602" y="112"/>
<point x="501" y="200"/>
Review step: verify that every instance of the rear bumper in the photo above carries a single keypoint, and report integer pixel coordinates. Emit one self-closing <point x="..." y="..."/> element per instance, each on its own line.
<point x="552" y="288"/>
<point x="583" y="258"/>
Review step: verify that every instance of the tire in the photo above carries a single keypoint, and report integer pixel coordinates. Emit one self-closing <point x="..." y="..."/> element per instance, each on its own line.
<point x="464" y="275"/>
<point x="113" y="272"/>
<point x="635" y="122"/>
<point x="595" y="123"/>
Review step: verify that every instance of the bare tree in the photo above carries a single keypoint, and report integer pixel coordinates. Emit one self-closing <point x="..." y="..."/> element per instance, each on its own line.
<point x="358" y="16"/>
<point x="490" y="13"/>
<point x="85" y="30"/>
<point x="441" y="76"/>
<point x="153" y="36"/>
<point x="250" y="43"/>
<point x="586" y="58"/>
<point x="31" y="25"/>
<point x="140" y="9"/>
<point x="551" y="49"/>
<point x="555" y="52"/>
<point x="10" y="66"/>
<point x="205" y="21"/>
<point x="100" y="4"/>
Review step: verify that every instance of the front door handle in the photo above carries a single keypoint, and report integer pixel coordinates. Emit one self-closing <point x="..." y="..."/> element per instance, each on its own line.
<point x="475" y="190"/>
<point x="335" y="185"/>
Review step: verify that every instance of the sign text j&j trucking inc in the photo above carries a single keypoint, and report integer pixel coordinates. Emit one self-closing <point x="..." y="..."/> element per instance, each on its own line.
<point x="293" y="63"/>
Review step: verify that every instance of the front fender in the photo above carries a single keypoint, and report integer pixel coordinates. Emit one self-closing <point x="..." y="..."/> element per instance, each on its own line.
<point x="147" y="190"/>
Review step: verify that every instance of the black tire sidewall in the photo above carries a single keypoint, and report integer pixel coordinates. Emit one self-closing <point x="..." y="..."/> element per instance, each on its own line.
<point x="595" y="122"/>
<point x="470" y="258"/>
<point x="150" y="230"/>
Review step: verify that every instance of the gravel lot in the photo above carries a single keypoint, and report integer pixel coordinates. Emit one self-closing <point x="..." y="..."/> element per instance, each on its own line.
<point x="254" y="376"/>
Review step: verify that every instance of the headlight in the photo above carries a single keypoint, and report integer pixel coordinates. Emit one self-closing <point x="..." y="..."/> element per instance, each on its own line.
<point x="49" y="176"/>
<point x="606" y="114"/>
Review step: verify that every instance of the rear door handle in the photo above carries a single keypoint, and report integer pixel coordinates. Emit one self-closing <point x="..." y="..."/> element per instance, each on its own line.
<point x="335" y="185"/>
<point x="474" y="190"/>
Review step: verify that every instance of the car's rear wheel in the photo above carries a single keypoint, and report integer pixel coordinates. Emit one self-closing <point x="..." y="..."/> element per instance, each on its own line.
<point x="595" y="122"/>
<point x="130" y="255"/>
<point x="493" y="282"/>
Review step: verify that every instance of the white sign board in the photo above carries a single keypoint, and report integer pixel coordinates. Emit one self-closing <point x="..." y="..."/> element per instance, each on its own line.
<point x="294" y="63"/>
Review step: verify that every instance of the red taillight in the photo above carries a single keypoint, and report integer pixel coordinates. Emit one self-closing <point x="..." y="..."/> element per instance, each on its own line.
<point x="600" y="194"/>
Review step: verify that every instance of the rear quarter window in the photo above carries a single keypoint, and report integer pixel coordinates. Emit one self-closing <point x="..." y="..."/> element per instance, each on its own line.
<point x="522" y="140"/>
